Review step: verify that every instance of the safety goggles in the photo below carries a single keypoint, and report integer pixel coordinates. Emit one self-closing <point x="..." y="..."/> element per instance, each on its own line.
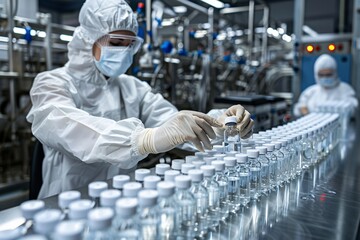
<point x="120" y="41"/>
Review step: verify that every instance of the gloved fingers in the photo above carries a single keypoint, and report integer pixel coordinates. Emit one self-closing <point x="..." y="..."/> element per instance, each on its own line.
<point x="196" y="142"/>
<point x="202" y="123"/>
<point x="244" y="122"/>
<point x="210" y="120"/>
<point x="247" y="129"/>
<point x="201" y="136"/>
<point x="247" y="135"/>
<point x="236" y="110"/>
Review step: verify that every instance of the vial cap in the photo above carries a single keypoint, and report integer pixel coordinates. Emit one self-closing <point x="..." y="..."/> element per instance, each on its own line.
<point x="253" y="153"/>
<point x="109" y="197"/>
<point x="208" y="170"/>
<point x="201" y="155"/>
<point x="186" y="167"/>
<point x="196" y="175"/>
<point x="148" y="198"/>
<point x="165" y="189"/>
<point x="100" y="218"/>
<point x="28" y="237"/>
<point x="190" y="159"/>
<point x="80" y="208"/>
<point x="182" y="182"/>
<point x="11" y="234"/>
<point x="231" y="153"/>
<point x="46" y="221"/>
<point x="126" y="207"/>
<point x="262" y="150"/>
<point x="176" y="164"/>
<point x="69" y="230"/>
<point x="120" y="180"/>
<point x="230" y="161"/>
<point x="230" y="120"/>
<point x="150" y="182"/>
<point x="211" y="152"/>
<point x="131" y="189"/>
<point x="220" y="156"/>
<point x="277" y="145"/>
<point x="219" y="165"/>
<point x="95" y="188"/>
<point x="141" y="173"/>
<point x="65" y="198"/>
<point x="283" y="143"/>
<point x="31" y="207"/>
<point x="270" y="147"/>
<point x="208" y="160"/>
<point x="170" y="175"/>
<point x="218" y="149"/>
<point x="161" y="168"/>
<point x="241" y="158"/>
<point x="198" y="164"/>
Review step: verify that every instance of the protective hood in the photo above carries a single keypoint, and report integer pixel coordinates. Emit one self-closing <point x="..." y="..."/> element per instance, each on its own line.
<point x="325" y="61"/>
<point x="97" y="18"/>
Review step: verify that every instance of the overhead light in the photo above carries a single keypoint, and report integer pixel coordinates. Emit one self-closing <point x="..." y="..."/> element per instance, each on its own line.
<point x="66" y="38"/>
<point x="214" y="3"/>
<point x="18" y="30"/>
<point x="167" y="22"/>
<point x="180" y="9"/>
<point x="41" y="34"/>
<point x="286" y="38"/>
<point x="309" y="48"/>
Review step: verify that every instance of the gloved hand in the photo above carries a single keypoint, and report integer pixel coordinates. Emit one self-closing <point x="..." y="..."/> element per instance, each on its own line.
<point x="185" y="126"/>
<point x="244" y="122"/>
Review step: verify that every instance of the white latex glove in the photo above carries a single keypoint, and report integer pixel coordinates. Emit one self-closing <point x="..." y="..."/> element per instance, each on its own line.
<point x="185" y="126"/>
<point x="244" y="122"/>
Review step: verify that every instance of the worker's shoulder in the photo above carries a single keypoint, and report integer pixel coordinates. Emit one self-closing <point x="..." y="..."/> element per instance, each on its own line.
<point x="128" y="80"/>
<point x="311" y="89"/>
<point x="58" y="73"/>
<point x="346" y="86"/>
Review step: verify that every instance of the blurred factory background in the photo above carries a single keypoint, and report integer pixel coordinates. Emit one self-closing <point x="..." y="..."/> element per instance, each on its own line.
<point x="199" y="54"/>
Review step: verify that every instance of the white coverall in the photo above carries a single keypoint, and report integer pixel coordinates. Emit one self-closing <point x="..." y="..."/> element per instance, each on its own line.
<point x="86" y="123"/>
<point x="317" y="94"/>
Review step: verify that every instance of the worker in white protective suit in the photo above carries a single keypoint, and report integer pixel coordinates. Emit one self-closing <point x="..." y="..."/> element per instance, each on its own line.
<point x="328" y="87"/>
<point x="94" y="121"/>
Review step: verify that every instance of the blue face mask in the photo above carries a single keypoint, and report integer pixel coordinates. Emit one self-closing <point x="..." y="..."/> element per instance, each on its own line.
<point x="328" y="82"/>
<point x="114" y="61"/>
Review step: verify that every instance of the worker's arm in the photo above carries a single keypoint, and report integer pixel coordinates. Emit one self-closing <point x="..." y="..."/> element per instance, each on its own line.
<point x="301" y="107"/>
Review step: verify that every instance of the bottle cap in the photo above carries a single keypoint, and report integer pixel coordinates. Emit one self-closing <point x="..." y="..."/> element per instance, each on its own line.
<point x="150" y="182"/>
<point x="131" y="189"/>
<point x="80" y="208"/>
<point x="27" y="237"/>
<point x="141" y="173"/>
<point x="147" y="198"/>
<point x="165" y="189"/>
<point x="241" y="158"/>
<point x="182" y="182"/>
<point x="230" y="120"/>
<point x="95" y="188"/>
<point x="230" y="161"/>
<point x="201" y="155"/>
<point x="170" y="175"/>
<point x="277" y="145"/>
<point x="176" y="164"/>
<point x="69" y="230"/>
<point x="219" y="165"/>
<point x="161" y="168"/>
<point x="31" y="207"/>
<point x="231" y="153"/>
<point x="208" y="170"/>
<point x="126" y="207"/>
<point x="211" y="152"/>
<point x="220" y="156"/>
<point x="100" y="218"/>
<point x="190" y="159"/>
<point x="46" y="221"/>
<point x="262" y="150"/>
<point x="198" y="163"/>
<point x="208" y="160"/>
<point x="270" y="147"/>
<point x="109" y="197"/>
<point x="218" y="148"/>
<point x="186" y="167"/>
<point x="65" y="198"/>
<point x="196" y="175"/>
<point x="253" y="153"/>
<point x="120" y="180"/>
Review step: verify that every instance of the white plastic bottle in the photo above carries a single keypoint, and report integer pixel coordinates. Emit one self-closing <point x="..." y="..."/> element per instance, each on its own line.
<point x="46" y="221"/>
<point x="169" y="175"/>
<point x="28" y="210"/>
<point x="125" y="224"/>
<point x="202" y="202"/>
<point x="140" y="174"/>
<point x="223" y="182"/>
<point x="119" y="181"/>
<point x="273" y="169"/>
<point x="99" y="223"/>
<point x="64" y="200"/>
<point x="79" y="209"/>
<point x="148" y="215"/>
<point x="186" y="167"/>
<point x="233" y="184"/>
<point x="131" y="189"/>
<point x="151" y="181"/>
<point x="109" y="197"/>
<point x="167" y="210"/>
<point x="95" y="189"/>
<point x="231" y="136"/>
<point x="265" y="169"/>
<point x="244" y="173"/>
<point x="161" y="168"/>
<point x="69" y="230"/>
<point x="186" y="207"/>
<point x="255" y="173"/>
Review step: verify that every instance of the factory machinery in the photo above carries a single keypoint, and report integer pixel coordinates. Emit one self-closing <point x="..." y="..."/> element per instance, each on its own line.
<point x="196" y="57"/>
